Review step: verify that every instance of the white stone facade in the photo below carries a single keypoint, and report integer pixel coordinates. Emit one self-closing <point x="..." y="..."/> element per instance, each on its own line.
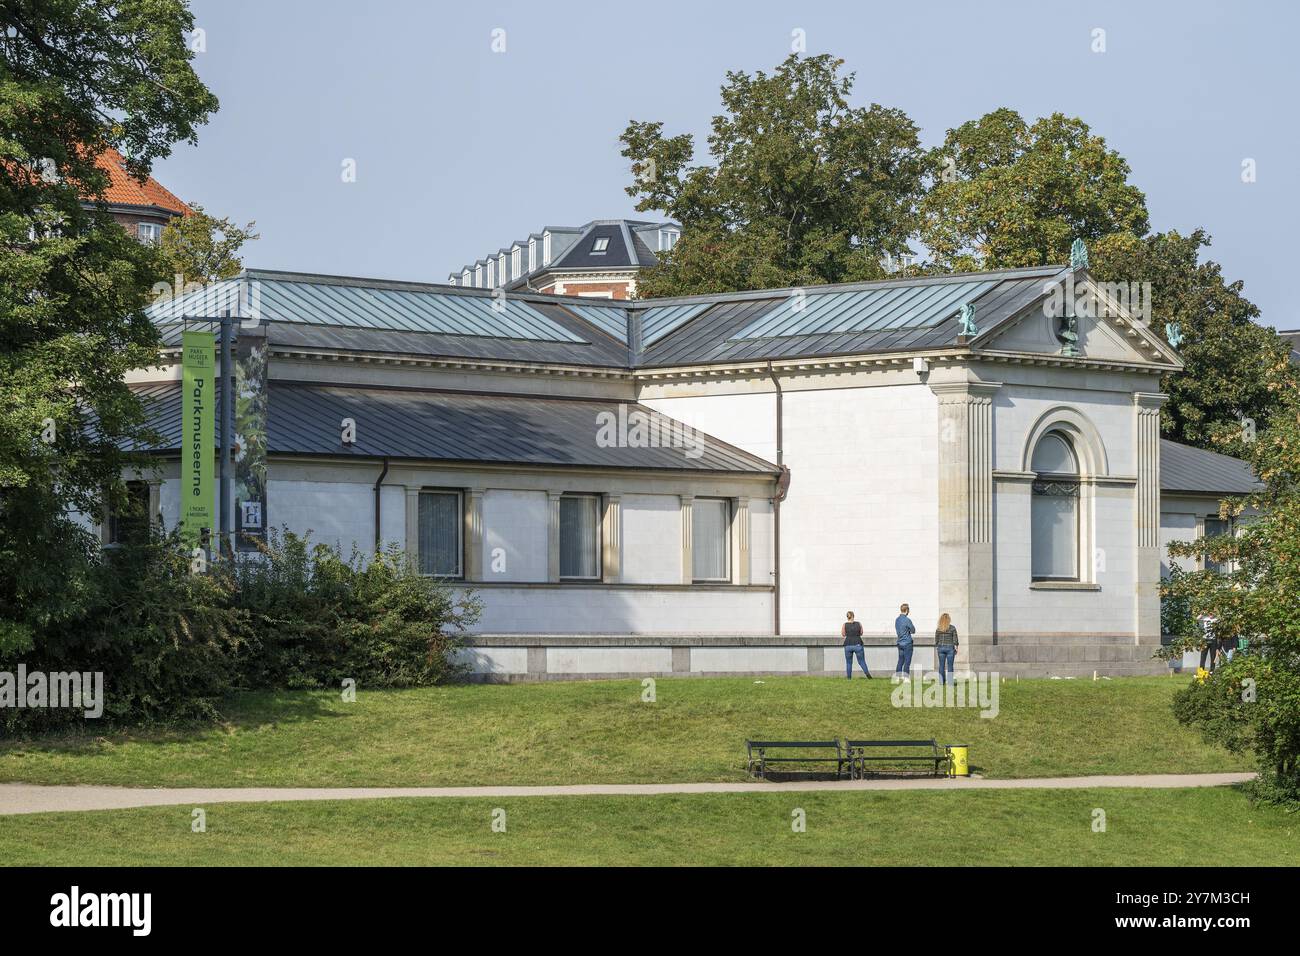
<point x="908" y="483"/>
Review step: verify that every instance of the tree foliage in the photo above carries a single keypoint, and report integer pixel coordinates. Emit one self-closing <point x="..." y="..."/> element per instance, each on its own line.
<point x="1009" y="193"/>
<point x="1252" y="703"/>
<point x="804" y="188"/>
<point x="1235" y="370"/>
<point x="76" y="76"/>
<point x="203" y="248"/>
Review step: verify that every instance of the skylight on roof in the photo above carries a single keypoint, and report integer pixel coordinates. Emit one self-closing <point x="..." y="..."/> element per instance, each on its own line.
<point x="600" y="246"/>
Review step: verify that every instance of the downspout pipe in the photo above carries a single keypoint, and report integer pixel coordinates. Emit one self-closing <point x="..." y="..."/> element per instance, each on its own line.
<point x="378" y="507"/>
<point x="782" y="488"/>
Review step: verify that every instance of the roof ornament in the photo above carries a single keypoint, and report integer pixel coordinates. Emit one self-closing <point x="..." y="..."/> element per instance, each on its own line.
<point x="1078" y="255"/>
<point x="1174" y="334"/>
<point x="966" y="321"/>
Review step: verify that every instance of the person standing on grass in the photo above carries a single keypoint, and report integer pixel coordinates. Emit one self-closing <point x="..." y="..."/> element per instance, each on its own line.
<point x="904" y="630"/>
<point x="945" y="647"/>
<point x="851" y="631"/>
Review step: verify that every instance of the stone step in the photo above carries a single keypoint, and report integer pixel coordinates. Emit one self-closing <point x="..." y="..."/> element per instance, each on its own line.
<point x="1080" y="671"/>
<point x="1062" y="653"/>
<point x="1008" y="639"/>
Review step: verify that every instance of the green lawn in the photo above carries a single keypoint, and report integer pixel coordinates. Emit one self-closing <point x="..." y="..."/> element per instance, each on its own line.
<point x="1197" y="827"/>
<point x="602" y="732"/>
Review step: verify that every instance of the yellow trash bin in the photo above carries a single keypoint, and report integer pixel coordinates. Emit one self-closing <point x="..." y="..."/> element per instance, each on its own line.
<point x="958" y="760"/>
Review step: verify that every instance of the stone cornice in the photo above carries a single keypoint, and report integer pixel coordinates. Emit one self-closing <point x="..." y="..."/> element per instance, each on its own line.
<point x="749" y="368"/>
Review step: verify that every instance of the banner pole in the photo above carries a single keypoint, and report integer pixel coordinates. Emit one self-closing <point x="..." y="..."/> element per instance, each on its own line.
<point x="227" y="417"/>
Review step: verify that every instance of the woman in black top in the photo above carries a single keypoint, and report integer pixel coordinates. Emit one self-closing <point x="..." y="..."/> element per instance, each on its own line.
<point x="851" y="631"/>
<point x="945" y="647"/>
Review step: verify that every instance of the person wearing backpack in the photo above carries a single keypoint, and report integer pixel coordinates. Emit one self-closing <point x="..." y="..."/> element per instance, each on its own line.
<point x="851" y="631"/>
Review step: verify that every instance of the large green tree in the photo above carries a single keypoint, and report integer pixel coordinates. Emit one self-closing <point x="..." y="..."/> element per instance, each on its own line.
<point x="1009" y="193"/>
<point x="76" y="76"/>
<point x="1252" y="704"/>
<point x="803" y="187"/>
<point x="1235" y="370"/>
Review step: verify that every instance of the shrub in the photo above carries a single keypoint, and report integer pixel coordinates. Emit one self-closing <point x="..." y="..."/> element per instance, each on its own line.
<point x="172" y="644"/>
<point x="318" y="618"/>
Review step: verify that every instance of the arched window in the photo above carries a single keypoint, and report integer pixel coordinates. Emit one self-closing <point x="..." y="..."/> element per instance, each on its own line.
<point x="1054" y="516"/>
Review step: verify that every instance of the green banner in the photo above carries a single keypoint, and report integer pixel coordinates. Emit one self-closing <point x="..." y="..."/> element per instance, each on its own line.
<point x="198" y="421"/>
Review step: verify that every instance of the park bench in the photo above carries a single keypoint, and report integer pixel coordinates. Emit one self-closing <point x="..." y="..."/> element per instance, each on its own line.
<point x="795" y="752"/>
<point x="906" y="752"/>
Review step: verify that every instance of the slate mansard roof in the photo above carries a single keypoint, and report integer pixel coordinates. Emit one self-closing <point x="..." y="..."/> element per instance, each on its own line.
<point x="625" y="246"/>
<point x="312" y="312"/>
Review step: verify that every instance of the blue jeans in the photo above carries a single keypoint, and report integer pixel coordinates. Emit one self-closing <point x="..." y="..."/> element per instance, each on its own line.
<point x="851" y="651"/>
<point x="904" y="659"/>
<point x="947" y="658"/>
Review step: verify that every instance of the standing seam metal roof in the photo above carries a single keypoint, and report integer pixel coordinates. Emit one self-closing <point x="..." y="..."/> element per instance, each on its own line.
<point x="429" y="425"/>
<point x="332" y="312"/>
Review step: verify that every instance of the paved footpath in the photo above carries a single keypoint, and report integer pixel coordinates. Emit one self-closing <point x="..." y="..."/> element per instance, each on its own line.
<point x="31" y="798"/>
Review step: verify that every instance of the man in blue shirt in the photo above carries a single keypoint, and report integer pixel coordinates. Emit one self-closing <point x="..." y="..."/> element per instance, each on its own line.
<point x="903" y="630"/>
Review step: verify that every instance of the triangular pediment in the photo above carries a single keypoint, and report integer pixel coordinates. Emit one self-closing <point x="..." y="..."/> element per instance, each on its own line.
<point x="1107" y="320"/>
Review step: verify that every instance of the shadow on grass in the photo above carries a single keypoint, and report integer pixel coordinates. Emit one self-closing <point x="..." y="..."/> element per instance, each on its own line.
<point x="247" y="710"/>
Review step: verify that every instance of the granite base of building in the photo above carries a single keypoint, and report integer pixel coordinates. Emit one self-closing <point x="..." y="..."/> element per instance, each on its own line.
<point x="512" y="658"/>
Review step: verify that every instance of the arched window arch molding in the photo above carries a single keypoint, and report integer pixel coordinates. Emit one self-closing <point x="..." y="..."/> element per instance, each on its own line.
<point x="1093" y="463"/>
<point x="1083" y="435"/>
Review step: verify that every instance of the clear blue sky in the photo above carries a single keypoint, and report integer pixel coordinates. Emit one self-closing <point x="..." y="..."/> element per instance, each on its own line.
<point x="460" y="150"/>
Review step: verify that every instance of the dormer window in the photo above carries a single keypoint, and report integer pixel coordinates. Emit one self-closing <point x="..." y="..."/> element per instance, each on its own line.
<point x="667" y="239"/>
<point x="600" y="246"/>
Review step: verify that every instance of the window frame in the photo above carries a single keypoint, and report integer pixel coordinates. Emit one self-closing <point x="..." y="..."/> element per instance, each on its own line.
<point x="1206" y="563"/>
<point x="115" y="523"/>
<point x="154" y="235"/>
<point x="459" y="495"/>
<point x="597" y="535"/>
<point x="600" y="246"/>
<point x="729" y="516"/>
<point x="1076" y="495"/>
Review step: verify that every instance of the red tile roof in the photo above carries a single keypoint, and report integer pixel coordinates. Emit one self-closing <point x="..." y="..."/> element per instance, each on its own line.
<point x="126" y="190"/>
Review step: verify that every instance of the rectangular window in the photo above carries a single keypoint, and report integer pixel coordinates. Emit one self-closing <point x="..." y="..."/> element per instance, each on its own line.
<point x="1055" y="524"/>
<point x="532" y="255"/>
<point x="1215" y="527"/>
<point x="711" y="539"/>
<point x="148" y="232"/>
<point x="580" y="536"/>
<point x="129" y="524"/>
<point x="441" y="525"/>
<point x="600" y="246"/>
